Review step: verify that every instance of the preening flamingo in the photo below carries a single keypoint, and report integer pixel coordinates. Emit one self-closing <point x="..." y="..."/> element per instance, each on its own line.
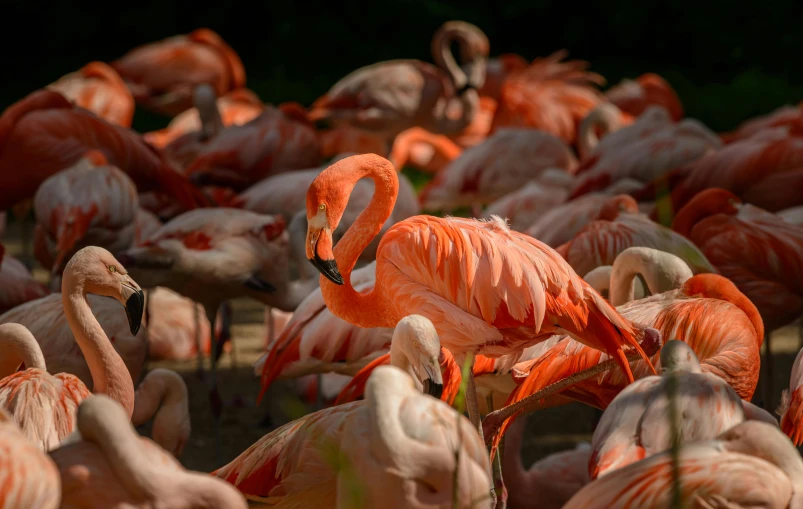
<point x="46" y="320"/>
<point x="638" y="423"/>
<point x="98" y="88"/>
<point x="91" y="203"/>
<point x="108" y="466"/>
<point x="162" y="75"/>
<point x="183" y="149"/>
<point x="242" y="155"/>
<point x="548" y="483"/>
<point x="389" y="97"/>
<point x="619" y="226"/>
<point x="162" y="396"/>
<point x="503" y="163"/>
<point x="750" y="465"/>
<point x="396" y="441"/>
<point x="45" y="133"/>
<point x="30" y="478"/>
<point x="17" y="283"/>
<point x="237" y="107"/>
<point x="549" y="95"/>
<point x="461" y="274"/>
<point x="47" y="422"/>
<point x="635" y="96"/>
<point x="524" y="206"/>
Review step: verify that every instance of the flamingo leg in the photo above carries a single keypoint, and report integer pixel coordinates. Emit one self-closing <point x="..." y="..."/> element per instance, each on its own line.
<point x="499" y="482"/>
<point x="768" y="385"/>
<point x="215" y="401"/>
<point x="199" y="351"/>
<point x="474" y="412"/>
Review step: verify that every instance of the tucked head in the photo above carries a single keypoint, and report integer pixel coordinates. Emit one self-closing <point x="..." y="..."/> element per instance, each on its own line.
<point x="95" y="270"/>
<point x="678" y="356"/>
<point x="706" y="203"/>
<point x="416" y="348"/>
<point x="621" y="203"/>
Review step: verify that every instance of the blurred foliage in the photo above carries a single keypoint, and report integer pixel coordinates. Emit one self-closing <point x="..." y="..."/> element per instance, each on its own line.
<point x="727" y="62"/>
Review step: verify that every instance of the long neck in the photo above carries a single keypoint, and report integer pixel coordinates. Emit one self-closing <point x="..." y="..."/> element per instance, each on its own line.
<point x="369" y="309"/>
<point x="661" y="271"/>
<point x="442" y="54"/>
<point x="516" y="477"/>
<point x="110" y="375"/>
<point x="605" y="117"/>
<point x="18" y="346"/>
<point x="406" y="141"/>
<point x="466" y="104"/>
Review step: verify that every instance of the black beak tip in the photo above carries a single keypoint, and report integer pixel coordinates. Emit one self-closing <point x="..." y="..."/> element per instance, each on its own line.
<point x="328" y="268"/>
<point x="433" y="389"/>
<point x="134" y="309"/>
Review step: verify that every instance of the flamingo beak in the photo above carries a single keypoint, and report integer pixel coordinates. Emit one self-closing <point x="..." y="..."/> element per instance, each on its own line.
<point x="319" y="253"/>
<point x="433" y="385"/>
<point x="134" y="304"/>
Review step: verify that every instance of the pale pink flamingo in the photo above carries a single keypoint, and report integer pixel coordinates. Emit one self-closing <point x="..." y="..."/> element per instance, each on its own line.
<point x="503" y="163"/>
<point x="174" y="325"/>
<point x="638" y="422"/>
<point x="107" y="465"/>
<point x="389" y="97"/>
<point x="635" y="96"/>
<point x="522" y="207"/>
<point x="287" y="466"/>
<point x="51" y="419"/>
<point x="750" y="465"/>
<point x="237" y="107"/>
<point x="145" y="224"/>
<point x="30" y="478"/>
<point x="242" y="155"/>
<point x="17" y="283"/>
<point x="92" y="203"/>
<point x="549" y="95"/>
<point x="645" y="152"/>
<point x="46" y="320"/>
<point x="603" y="121"/>
<point x="619" y="226"/>
<point x="162" y="75"/>
<point x="98" y="88"/>
<point x="461" y="274"/>
<point x="45" y="133"/>
<point x="183" y="150"/>
<point x="549" y="482"/>
<point x="162" y="396"/>
<point x="422" y="150"/>
<point x="784" y="120"/>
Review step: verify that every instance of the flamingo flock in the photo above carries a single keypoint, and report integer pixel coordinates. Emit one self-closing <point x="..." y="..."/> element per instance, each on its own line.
<point x="558" y="243"/>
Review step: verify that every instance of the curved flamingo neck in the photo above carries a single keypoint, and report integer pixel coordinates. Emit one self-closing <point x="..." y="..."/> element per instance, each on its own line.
<point x="605" y="116"/>
<point x="110" y="375"/>
<point x="442" y="54"/>
<point x="713" y="286"/>
<point x="661" y="271"/>
<point x="18" y="346"/>
<point x="695" y="211"/>
<point x="405" y="142"/>
<point x="369" y="309"/>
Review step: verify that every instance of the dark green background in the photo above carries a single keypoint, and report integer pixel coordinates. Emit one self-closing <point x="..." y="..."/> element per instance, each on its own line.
<point x="728" y="61"/>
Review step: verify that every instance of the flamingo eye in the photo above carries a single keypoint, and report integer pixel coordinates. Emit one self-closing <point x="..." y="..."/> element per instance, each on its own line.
<point x="112" y="269"/>
<point x="322" y="206"/>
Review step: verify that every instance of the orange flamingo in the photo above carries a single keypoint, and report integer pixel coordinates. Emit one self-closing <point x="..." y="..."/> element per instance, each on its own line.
<point x="461" y="274"/>
<point x="90" y="203"/>
<point x="109" y="465"/>
<point x="99" y="89"/>
<point x="49" y="421"/>
<point x="750" y="465"/>
<point x="30" y="477"/>
<point x="620" y="226"/>
<point x="17" y="283"/>
<point x="498" y="70"/>
<point x="549" y="95"/>
<point x="162" y="75"/>
<point x="635" y="96"/>
<point x="237" y="107"/>
<point x="501" y="164"/>
<point x="287" y="466"/>
<point x="44" y="133"/>
<point x="791" y="409"/>
<point x="782" y="121"/>
<point x="422" y="150"/>
<point x="389" y="97"/>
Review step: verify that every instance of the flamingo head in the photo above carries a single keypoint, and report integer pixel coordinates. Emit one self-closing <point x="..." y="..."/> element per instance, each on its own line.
<point x="95" y="270"/>
<point x="416" y="348"/>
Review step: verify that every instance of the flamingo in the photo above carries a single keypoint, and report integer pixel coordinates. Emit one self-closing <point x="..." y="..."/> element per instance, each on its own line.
<point x="461" y="274"/>
<point x="422" y="150"/>
<point x="750" y="465"/>
<point x="783" y="120"/>
<point x="175" y="324"/>
<point x="497" y="71"/>
<point x="619" y="226"/>
<point x="501" y="164"/>
<point x="108" y="466"/>
<point x="162" y="396"/>
<point x="44" y="133"/>
<point x="236" y="107"/>
<point x="524" y="206"/>
<point x="162" y="75"/>
<point x="635" y="96"/>
<point x="242" y="155"/>
<point x="51" y="419"/>
<point x="389" y="97"/>
<point x="349" y="139"/>
<point x="17" y="283"/>
<point x="792" y="215"/>
<point x="548" y="483"/>
<point x="791" y="409"/>
<point x="605" y="120"/>
<point x="549" y="95"/>
<point x="30" y="478"/>
<point x="145" y="224"/>
<point x="638" y="422"/>
<point x="425" y="448"/>
<point x="183" y="149"/>
<point x="46" y="320"/>
<point x="98" y="88"/>
<point x="90" y="203"/>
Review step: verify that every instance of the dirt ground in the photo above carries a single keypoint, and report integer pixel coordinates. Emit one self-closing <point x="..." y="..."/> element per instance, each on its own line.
<point x="548" y="431"/>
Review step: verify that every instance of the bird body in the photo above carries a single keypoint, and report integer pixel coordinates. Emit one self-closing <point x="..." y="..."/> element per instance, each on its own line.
<point x="98" y="88"/>
<point x="17" y="283"/>
<point x="635" y="96"/>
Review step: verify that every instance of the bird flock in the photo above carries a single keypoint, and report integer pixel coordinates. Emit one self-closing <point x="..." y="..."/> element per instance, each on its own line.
<point x="578" y="246"/>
